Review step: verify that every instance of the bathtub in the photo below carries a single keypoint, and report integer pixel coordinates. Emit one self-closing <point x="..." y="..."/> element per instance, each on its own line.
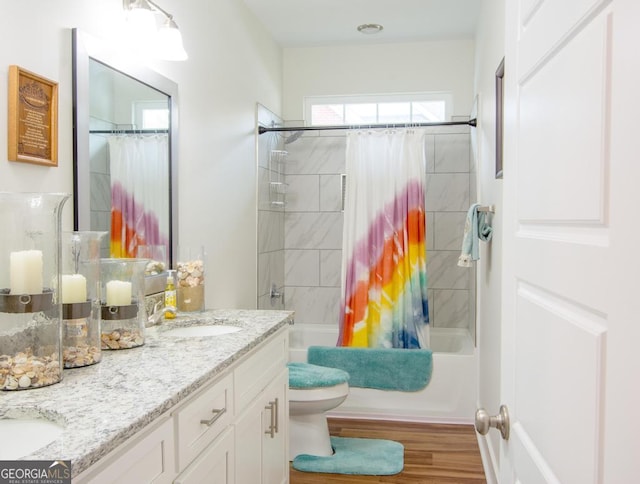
<point x="450" y="396"/>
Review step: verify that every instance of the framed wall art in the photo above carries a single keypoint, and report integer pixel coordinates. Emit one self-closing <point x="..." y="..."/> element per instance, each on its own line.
<point x="33" y="118"/>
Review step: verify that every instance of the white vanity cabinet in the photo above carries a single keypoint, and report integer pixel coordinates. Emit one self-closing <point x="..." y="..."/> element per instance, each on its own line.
<point x="262" y="421"/>
<point x="232" y="430"/>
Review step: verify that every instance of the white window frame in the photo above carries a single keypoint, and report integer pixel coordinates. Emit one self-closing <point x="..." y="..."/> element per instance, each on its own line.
<point x="139" y="107"/>
<point x="445" y="96"/>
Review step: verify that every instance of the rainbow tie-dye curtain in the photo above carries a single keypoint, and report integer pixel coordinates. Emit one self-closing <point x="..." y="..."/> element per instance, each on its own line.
<point x="139" y="170"/>
<point x="384" y="278"/>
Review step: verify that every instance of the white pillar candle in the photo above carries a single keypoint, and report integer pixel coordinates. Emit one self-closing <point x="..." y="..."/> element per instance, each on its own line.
<point x="118" y="293"/>
<point x="25" y="272"/>
<point x="73" y="288"/>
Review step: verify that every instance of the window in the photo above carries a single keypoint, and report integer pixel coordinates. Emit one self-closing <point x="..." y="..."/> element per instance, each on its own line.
<point x="378" y="109"/>
<point x="151" y="115"/>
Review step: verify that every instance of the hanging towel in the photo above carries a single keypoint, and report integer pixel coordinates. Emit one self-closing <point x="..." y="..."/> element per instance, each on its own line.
<point x="475" y="228"/>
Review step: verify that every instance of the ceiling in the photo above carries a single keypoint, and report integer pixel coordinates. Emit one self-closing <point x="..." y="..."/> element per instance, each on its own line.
<point x="300" y="23"/>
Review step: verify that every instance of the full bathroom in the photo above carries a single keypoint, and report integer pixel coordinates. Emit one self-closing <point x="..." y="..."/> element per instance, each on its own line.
<point x="524" y="346"/>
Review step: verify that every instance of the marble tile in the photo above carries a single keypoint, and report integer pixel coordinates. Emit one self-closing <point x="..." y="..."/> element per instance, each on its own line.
<point x="452" y="153"/>
<point x="314" y="305"/>
<point x="331" y="268"/>
<point x="430" y="216"/>
<point x="447" y="192"/>
<point x="100" y="192"/>
<point x="302" y="268"/>
<point x="303" y="193"/>
<point x="331" y="193"/>
<point x="451" y="309"/>
<point x="270" y="271"/>
<point x="443" y="271"/>
<point x="449" y="229"/>
<point x="473" y="187"/>
<point x="313" y="230"/>
<point x="270" y="231"/>
<point x="99" y="154"/>
<point x="455" y="129"/>
<point x="316" y="155"/>
<point x="429" y="152"/>
<point x="264" y="202"/>
<point x="430" y="299"/>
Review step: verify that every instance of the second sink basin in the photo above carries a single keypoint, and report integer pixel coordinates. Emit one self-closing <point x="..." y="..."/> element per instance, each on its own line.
<point x="199" y="331"/>
<point x="23" y="436"/>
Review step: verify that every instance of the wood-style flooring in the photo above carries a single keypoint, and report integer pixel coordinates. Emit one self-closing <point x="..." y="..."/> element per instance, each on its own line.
<point x="433" y="453"/>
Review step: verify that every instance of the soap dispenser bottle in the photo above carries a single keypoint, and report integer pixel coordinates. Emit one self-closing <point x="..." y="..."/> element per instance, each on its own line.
<point x="170" y="296"/>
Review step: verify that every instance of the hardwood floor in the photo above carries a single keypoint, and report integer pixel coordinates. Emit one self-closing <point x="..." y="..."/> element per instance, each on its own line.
<point x="433" y="453"/>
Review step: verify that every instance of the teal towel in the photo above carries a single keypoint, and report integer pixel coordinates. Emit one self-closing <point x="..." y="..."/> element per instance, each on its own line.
<point x="475" y="228"/>
<point x="304" y="375"/>
<point x="380" y="368"/>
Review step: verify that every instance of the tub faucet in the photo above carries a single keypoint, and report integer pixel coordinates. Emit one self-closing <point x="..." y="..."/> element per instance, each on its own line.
<point x="159" y="312"/>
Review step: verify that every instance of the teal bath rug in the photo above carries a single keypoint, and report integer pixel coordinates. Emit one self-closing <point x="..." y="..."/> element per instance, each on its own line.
<point x="370" y="457"/>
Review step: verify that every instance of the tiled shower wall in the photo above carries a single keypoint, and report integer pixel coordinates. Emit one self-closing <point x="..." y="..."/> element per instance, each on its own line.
<point x="313" y="226"/>
<point x="270" y="215"/>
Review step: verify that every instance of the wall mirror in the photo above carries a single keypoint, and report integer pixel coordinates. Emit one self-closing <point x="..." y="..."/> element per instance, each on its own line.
<point x="124" y="153"/>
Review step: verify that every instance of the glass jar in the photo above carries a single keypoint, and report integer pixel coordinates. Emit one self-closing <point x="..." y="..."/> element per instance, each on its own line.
<point x="30" y="309"/>
<point x="190" y="279"/>
<point x="80" y="295"/>
<point x="123" y="313"/>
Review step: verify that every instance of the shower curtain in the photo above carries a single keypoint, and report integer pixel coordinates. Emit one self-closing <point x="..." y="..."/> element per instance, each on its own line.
<point x="139" y="182"/>
<point x="384" y="280"/>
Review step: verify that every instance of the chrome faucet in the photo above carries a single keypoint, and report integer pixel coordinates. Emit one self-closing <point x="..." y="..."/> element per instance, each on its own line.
<point x="159" y="312"/>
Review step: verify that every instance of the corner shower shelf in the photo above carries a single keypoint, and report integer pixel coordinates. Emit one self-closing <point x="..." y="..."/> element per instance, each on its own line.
<point x="277" y="186"/>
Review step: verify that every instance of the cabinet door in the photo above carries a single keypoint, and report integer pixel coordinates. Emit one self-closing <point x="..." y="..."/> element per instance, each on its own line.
<point x="262" y="438"/>
<point x="215" y="465"/>
<point x="249" y="444"/>
<point x="275" y="442"/>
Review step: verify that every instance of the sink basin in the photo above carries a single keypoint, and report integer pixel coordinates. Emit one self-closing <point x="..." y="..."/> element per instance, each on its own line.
<point x="27" y="436"/>
<point x="199" y="331"/>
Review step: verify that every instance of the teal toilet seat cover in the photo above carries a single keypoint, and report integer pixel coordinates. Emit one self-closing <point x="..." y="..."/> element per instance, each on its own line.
<point x="305" y="375"/>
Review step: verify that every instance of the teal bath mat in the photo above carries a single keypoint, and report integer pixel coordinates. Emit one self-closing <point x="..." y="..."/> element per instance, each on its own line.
<point x="370" y="457"/>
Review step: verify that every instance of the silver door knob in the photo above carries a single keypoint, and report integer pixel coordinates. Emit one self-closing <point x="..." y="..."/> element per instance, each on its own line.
<point x="501" y="422"/>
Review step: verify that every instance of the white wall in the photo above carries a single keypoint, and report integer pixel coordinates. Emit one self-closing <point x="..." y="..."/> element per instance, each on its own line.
<point x="378" y="68"/>
<point x="233" y="64"/>
<point x="489" y="52"/>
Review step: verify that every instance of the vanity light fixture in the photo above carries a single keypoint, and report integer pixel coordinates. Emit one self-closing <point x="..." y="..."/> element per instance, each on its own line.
<point x="370" y="29"/>
<point x="165" y="42"/>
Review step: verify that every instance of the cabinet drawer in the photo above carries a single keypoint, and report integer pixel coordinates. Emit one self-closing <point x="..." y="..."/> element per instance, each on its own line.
<point x="215" y="465"/>
<point x="203" y="419"/>
<point x="254" y="374"/>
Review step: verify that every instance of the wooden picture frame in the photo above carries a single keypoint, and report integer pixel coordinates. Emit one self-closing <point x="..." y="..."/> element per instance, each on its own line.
<point x="33" y="118"/>
<point x="499" y="118"/>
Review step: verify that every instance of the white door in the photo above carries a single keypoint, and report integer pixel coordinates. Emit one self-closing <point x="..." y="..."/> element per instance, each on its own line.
<point x="571" y="286"/>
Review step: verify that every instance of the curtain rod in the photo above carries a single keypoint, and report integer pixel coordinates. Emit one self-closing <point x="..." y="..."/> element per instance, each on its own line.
<point x="264" y="129"/>
<point x="128" y="131"/>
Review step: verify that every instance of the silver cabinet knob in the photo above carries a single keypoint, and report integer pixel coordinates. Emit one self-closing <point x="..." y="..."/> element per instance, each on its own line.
<point x="501" y="421"/>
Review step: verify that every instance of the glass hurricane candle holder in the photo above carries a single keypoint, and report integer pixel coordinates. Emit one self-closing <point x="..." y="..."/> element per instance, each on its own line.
<point x="80" y="295"/>
<point x="30" y="309"/>
<point x="123" y="313"/>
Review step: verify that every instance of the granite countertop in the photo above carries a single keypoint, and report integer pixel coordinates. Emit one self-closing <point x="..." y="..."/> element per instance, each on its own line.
<point x="103" y="405"/>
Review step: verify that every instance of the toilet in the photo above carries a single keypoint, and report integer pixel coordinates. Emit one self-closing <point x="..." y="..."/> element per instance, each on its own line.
<point x="313" y="390"/>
